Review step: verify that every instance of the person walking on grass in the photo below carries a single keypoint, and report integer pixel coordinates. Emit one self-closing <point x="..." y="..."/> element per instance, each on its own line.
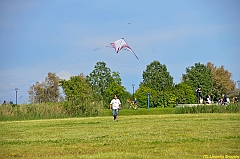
<point x="115" y="105"/>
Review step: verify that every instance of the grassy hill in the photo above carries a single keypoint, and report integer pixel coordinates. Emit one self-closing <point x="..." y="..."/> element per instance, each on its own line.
<point x="177" y="136"/>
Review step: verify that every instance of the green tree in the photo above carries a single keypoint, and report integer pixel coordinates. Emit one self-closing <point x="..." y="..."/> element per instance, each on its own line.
<point x="78" y="94"/>
<point x="113" y="89"/>
<point x="76" y="88"/>
<point x="184" y="94"/>
<point x="157" y="77"/>
<point x="100" y="79"/>
<point x="159" y="81"/>
<point x="199" y="75"/>
<point x="141" y="95"/>
<point x="120" y="90"/>
<point x="116" y="78"/>
<point x="105" y="84"/>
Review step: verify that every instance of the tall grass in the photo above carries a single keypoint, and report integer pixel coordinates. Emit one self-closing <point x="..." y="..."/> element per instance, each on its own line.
<point x="66" y="110"/>
<point x="231" y="108"/>
<point x="32" y="111"/>
<point x="46" y="111"/>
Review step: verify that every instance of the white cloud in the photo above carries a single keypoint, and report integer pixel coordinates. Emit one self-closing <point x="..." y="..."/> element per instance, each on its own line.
<point x="64" y="75"/>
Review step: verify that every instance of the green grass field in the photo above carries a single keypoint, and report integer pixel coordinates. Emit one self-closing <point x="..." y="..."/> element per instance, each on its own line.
<point x="177" y="136"/>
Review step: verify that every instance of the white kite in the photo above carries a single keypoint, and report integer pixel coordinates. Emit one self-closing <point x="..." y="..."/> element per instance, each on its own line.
<point x="118" y="45"/>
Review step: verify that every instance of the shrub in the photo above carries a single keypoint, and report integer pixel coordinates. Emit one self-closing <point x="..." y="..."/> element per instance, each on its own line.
<point x="48" y="111"/>
<point x="231" y="108"/>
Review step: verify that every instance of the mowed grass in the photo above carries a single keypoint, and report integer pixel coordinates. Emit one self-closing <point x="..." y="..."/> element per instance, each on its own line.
<point x="177" y="136"/>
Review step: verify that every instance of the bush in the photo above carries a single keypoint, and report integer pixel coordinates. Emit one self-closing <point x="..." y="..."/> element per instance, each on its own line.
<point x="48" y="111"/>
<point x="231" y="108"/>
<point x="83" y="109"/>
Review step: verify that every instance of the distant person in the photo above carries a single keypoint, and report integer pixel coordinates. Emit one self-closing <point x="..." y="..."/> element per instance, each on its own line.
<point x="201" y="100"/>
<point x="224" y="100"/>
<point x="4" y="102"/>
<point x="199" y="94"/>
<point x="135" y="101"/>
<point x="209" y="99"/>
<point x="228" y="101"/>
<point x="115" y="105"/>
<point x="235" y="99"/>
<point x="199" y="91"/>
<point x="10" y="102"/>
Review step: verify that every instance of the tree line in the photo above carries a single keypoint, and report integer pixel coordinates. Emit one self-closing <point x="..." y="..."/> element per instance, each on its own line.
<point x="101" y="84"/>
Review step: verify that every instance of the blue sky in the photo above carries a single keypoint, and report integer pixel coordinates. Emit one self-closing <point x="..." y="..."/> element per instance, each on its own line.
<point x="59" y="36"/>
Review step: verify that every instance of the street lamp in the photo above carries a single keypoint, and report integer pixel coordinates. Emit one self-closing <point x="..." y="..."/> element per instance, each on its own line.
<point x="163" y="83"/>
<point x="16" y="89"/>
<point x="238" y="84"/>
<point x="148" y="97"/>
<point x="133" y="90"/>
<point x="238" y="87"/>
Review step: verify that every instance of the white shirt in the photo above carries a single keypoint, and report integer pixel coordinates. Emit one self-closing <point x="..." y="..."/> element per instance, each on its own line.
<point x="115" y="103"/>
<point x="228" y="100"/>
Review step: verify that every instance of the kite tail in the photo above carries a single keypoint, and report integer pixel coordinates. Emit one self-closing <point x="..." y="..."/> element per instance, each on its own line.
<point x="97" y="48"/>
